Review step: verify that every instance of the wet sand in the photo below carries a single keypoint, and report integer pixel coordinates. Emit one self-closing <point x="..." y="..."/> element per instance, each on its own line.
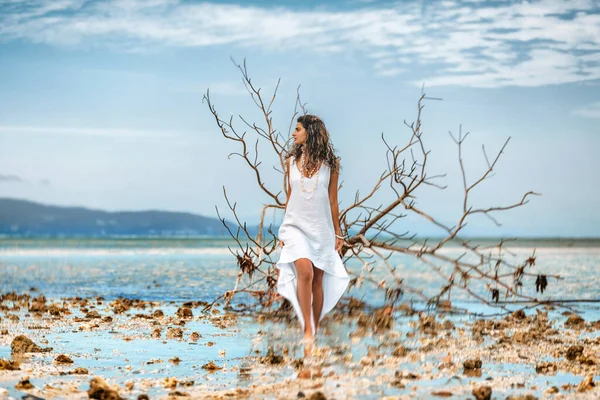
<point x="166" y="349"/>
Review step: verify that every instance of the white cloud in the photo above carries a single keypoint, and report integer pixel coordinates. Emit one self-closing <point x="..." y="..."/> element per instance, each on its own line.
<point x="468" y="43"/>
<point x="589" y="111"/>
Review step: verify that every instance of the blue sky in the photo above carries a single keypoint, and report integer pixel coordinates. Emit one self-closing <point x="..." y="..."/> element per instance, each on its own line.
<point x="101" y="101"/>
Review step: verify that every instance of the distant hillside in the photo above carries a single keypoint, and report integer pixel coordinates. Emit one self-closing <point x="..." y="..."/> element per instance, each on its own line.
<point x="26" y="218"/>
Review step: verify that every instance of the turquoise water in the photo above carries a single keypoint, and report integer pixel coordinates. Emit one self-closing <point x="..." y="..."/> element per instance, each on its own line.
<point x="200" y="269"/>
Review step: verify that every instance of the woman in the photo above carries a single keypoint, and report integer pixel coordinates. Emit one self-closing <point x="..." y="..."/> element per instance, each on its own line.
<point x="311" y="273"/>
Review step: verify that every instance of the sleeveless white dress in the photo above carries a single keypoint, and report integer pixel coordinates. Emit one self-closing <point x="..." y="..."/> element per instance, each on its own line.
<point x="307" y="231"/>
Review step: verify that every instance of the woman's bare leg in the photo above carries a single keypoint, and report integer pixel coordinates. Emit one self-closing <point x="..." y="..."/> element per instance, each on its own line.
<point x="317" y="291"/>
<point x="304" y="271"/>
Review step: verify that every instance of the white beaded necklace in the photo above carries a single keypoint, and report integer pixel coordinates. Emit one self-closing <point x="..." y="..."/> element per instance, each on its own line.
<point x="302" y="177"/>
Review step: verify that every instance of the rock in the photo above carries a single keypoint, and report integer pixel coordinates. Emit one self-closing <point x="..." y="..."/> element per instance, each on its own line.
<point x="524" y="397"/>
<point x="186" y="383"/>
<point x="24" y="384"/>
<point x="482" y="393"/>
<point x="545" y="367"/>
<point x="573" y="352"/>
<point x="211" y="366"/>
<point x="472" y="364"/>
<point x="158" y="314"/>
<point x="575" y="322"/>
<point x="107" y="318"/>
<point x="400" y="351"/>
<point x="101" y="390"/>
<point x="185" y="312"/>
<point x="300" y="395"/>
<point x="8" y="365"/>
<point x="442" y="393"/>
<point x="364" y="320"/>
<point x="174" y="333"/>
<point x="63" y="359"/>
<point x="552" y="390"/>
<point x="304" y="374"/>
<point x="271" y="358"/>
<point x="195" y="336"/>
<point x="170" y="383"/>
<point x="586" y="384"/>
<point x="428" y="325"/>
<point x="93" y="315"/>
<point x="177" y="393"/>
<point x="175" y="360"/>
<point x="317" y="396"/>
<point x="518" y="315"/>
<point x="383" y="319"/>
<point x="405" y="375"/>
<point x="143" y="396"/>
<point x="79" y="371"/>
<point x="22" y="344"/>
<point x="155" y="333"/>
<point x="367" y="361"/>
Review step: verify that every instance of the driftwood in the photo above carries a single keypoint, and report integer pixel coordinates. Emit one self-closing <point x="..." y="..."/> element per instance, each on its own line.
<point x="368" y="229"/>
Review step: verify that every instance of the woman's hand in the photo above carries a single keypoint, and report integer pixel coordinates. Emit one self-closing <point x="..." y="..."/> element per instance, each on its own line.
<point x="281" y="243"/>
<point x="338" y="245"/>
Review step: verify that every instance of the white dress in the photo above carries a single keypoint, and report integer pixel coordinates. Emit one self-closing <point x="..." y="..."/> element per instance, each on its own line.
<point x="307" y="232"/>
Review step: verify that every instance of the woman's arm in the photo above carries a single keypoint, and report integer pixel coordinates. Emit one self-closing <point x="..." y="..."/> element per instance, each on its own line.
<point x="333" y="200"/>
<point x="289" y="186"/>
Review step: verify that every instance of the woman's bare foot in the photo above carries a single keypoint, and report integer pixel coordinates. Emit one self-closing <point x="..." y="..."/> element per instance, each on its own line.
<point x="308" y="342"/>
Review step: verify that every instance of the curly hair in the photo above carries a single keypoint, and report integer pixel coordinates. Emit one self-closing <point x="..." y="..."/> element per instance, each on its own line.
<point x="318" y="143"/>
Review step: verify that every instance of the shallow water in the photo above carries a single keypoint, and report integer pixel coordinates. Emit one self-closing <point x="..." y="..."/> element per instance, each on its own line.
<point x="177" y="270"/>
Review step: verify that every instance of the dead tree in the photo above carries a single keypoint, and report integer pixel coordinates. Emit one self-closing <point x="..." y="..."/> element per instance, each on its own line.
<point x="368" y="229"/>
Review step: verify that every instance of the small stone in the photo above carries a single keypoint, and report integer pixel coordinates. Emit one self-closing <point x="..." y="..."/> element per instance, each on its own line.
<point x="472" y="364"/>
<point x="304" y="374"/>
<point x="155" y="333"/>
<point x="8" y="365"/>
<point x="24" y="384"/>
<point x="211" y="366"/>
<point x="482" y="393"/>
<point x="442" y="393"/>
<point x="586" y="384"/>
<point x="93" y="315"/>
<point x="63" y="359"/>
<point x="177" y="393"/>
<point x="552" y="390"/>
<point x="175" y="360"/>
<point x="400" y="351"/>
<point x="317" y="396"/>
<point x="143" y="396"/>
<point x="545" y="367"/>
<point x="170" y="383"/>
<point x="575" y="322"/>
<point x="158" y="314"/>
<point x="195" y="336"/>
<point x="174" y="333"/>
<point x="22" y="344"/>
<point x="185" y="312"/>
<point x="79" y="371"/>
<point x="101" y="390"/>
<point x="573" y="352"/>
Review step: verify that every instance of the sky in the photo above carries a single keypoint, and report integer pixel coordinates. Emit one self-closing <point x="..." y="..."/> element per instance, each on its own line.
<point x="101" y="102"/>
